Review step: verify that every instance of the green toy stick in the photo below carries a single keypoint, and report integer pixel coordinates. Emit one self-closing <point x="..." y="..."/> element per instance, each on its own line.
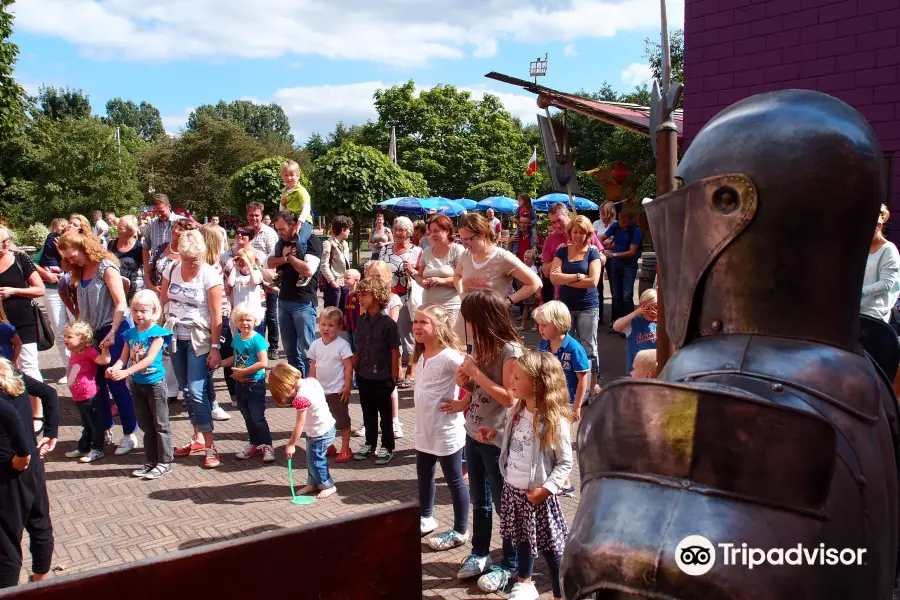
<point x="297" y="499"/>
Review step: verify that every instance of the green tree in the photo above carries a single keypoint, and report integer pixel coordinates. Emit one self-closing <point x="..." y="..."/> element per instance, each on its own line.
<point x="71" y="165"/>
<point x="350" y="179"/>
<point x="653" y="53"/>
<point x="262" y="121"/>
<point x="59" y="103"/>
<point x="260" y="182"/>
<point x="487" y="189"/>
<point x="144" y="119"/>
<point x="13" y="100"/>
<point x="316" y="147"/>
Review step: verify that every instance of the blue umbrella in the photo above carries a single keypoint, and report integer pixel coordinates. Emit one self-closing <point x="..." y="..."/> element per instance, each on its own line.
<point x="467" y="204"/>
<point x="499" y="204"/>
<point x="393" y="201"/>
<point x="425" y="205"/>
<point x="543" y="203"/>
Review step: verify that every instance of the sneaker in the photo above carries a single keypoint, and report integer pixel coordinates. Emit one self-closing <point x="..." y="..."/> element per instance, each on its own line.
<point x="143" y="470"/>
<point x="63" y="380"/>
<point x="249" y="451"/>
<point x="108" y="437"/>
<point x="427" y="525"/>
<point x="212" y="458"/>
<point x="569" y="492"/>
<point x="495" y="580"/>
<point x="332" y="451"/>
<point x="268" y="453"/>
<point x="361" y="432"/>
<point x="384" y="456"/>
<point x="158" y="471"/>
<point x="447" y="540"/>
<point x="219" y="414"/>
<point x="74" y="453"/>
<point x="273" y="354"/>
<point x="473" y="566"/>
<point x="343" y="456"/>
<point x="194" y="447"/>
<point x="127" y="444"/>
<point x="398" y="429"/>
<point x="364" y="453"/>
<point x="523" y="591"/>
<point x="92" y="456"/>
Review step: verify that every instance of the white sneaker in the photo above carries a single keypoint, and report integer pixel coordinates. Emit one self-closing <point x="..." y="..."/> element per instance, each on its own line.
<point x="219" y="414"/>
<point x="92" y="456"/>
<point x="473" y="566"/>
<point x="523" y="591"/>
<point x="398" y="429"/>
<point x="359" y="432"/>
<point x="74" y="453"/>
<point x="63" y="380"/>
<point x="268" y="453"/>
<point x="427" y="525"/>
<point x="128" y="443"/>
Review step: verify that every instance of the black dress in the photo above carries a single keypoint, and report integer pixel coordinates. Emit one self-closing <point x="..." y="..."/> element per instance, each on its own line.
<point x="18" y="309"/>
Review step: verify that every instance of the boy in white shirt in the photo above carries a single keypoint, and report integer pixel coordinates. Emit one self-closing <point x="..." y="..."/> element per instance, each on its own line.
<point x="331" y="363"/>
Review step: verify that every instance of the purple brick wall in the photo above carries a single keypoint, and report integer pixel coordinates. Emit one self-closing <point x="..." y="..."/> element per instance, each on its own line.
<point x="847" y="48"/>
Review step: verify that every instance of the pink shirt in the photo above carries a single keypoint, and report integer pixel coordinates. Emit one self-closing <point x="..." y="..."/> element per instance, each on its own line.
<point x="82" y="375"/>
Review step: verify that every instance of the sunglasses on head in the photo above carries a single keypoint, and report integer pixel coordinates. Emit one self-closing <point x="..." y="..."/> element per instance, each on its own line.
<point x="243" y="232"/>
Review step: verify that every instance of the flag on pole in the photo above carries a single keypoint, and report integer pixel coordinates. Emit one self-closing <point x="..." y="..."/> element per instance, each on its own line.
<point x="532" y="163"/>
<point x="392" y="149"/>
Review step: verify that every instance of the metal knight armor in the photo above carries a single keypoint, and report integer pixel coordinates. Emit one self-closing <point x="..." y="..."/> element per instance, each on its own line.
<point x="770" y="426"/>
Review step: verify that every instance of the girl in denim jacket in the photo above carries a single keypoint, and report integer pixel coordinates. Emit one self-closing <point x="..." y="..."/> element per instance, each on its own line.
<point x="536" y="460"/>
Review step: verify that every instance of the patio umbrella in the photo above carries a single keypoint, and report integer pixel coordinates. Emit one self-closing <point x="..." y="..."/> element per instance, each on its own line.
<point x="499" y="204"/>
<point x="543" y="203"/>
<point x="467" y="203"/>
<point x="441" y="206"/>
<point x="393" y="201"/>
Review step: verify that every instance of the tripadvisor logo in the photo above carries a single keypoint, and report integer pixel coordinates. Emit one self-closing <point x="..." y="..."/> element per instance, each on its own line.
<point x="696" y="555"/>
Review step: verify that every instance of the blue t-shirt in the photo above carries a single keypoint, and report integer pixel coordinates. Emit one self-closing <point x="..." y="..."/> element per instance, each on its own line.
<point x="577" y="298"/>
<point x="138" y="344"/>
<point x="246" y="353"/>
<point x="623" y="240"/>
<point x="573" y="359"/>
<point x="7" y="333"/>
<point x="641" y="336"/>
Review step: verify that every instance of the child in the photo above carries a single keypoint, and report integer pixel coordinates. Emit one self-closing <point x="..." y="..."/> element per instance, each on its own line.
<point x="440" y="436"/>
<point x="351" y="306"/>
<point x="645" y="365"/>
<point x="82" y="377"/>
<point x="296" y="199"/>
<point x="554" y="321"/>
<point x="331" y="364"/>
<point x="377" y="363"/>
<point x="640" y="327"/>
<point x="313" y="418"/>
<point x="245" y="282"/>
<point x="535" y="460"/>
<point x="529" y="303"/>
<point x="249" y="362"/>
<point x="526" y="209"/>
<point x="10" y="342"/>
<point x="143" y="345"/>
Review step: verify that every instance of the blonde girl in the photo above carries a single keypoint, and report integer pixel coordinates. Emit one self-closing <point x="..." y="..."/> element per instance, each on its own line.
<point x="536" y="460"/>
<point x="440" y="436"/>
<point x="244" y="281"/>
<point x="313" y="418"/>
<point x="215" y="246"/>
<point x="82" y="377"/>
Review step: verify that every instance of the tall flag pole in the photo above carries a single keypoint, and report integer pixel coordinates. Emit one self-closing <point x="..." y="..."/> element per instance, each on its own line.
<point x="392" y="149"/>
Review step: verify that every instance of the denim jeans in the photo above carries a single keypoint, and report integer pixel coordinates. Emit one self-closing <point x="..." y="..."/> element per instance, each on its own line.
<point x="251" y="401"/>
<point x="621" y="281"/>
<point x="584" y="329"/>
<point x="485" y="488"/>
<point x="92" y="430"/>
<point x="317" y="460"/>
<point x="297" y="321"/>
<point x="271" y="322"/>
<point x="152" y="409"/>
<point x="118" y="389"/>
<point x="451" y="465"/>
<point x="191" y="371"/>
<point x="303" y="235"/>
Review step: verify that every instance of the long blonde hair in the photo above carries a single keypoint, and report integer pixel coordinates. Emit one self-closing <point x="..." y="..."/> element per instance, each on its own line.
<point x="86" y="227"/>
<point x="215" y="242"/>
<point x="10" y="382"/>
<point x="551" y="395"/>
<point x="444" y="333"/>
<point x="608" y="212"/>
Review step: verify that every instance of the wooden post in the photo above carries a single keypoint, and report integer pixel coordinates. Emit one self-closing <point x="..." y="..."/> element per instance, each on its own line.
<point x="666" y="161"/>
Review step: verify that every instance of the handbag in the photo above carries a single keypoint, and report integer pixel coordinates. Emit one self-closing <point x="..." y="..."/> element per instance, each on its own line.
<point x="45" y="337"/>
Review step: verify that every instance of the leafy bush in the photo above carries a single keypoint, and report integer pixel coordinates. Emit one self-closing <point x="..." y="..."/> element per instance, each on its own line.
<point x="646" y="189"/>
<point x="491" y="188"/>
<point x="34" y="235"/>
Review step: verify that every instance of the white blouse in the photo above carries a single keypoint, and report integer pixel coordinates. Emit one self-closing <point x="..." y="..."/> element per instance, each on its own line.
<point x="438" y="433"/>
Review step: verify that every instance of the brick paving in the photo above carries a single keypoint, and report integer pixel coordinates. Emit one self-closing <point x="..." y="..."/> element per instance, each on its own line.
<point x="103" y="517"/>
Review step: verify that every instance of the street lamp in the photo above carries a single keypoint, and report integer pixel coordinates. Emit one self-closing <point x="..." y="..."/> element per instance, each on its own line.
<point x="538" y="68"/>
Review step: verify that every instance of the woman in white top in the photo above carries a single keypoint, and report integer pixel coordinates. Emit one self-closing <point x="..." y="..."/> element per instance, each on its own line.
<point x="437" y="266"/>
<point x="881" y="285"/>
<point x="485" y="266"/>
<point x="192" y="297"/>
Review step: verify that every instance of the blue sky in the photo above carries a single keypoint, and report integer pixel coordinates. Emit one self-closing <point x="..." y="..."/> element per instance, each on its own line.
<point x="323" y="60"/>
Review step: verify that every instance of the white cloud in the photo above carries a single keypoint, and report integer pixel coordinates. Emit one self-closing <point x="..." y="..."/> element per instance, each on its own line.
<point x="637" y="74"/>
<point x="570" y="50"/>
<point x="404" y="33"/>
<point x="173" y="124"/>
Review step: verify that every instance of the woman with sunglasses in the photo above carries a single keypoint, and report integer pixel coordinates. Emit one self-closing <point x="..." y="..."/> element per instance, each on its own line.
<point x="484" y="265"/>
